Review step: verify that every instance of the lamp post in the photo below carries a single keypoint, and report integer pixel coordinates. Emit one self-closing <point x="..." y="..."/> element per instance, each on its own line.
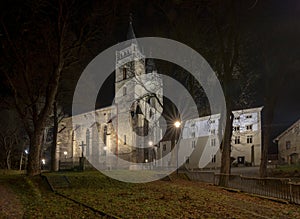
<point x="43" y="163"/>
<point x="151" y="154"/>
<point x="177" y="125"/>
<point x="26" y="158"/>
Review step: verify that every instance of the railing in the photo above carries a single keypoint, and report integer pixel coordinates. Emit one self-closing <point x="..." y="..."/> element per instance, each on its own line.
<point x="279" y="188"/>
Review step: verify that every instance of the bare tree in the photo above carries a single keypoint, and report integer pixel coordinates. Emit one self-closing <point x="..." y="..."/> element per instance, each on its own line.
<point x="280" y="64"/>
<point x="43" y="46"/>
<point x="8" y="143"/>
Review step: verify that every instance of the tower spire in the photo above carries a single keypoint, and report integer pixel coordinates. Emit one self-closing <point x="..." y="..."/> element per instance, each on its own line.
<point x="130" y="33"/>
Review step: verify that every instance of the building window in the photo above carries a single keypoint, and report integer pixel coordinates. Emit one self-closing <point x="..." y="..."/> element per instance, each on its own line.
<point x="124" y="73"/>
<point x="213" y="142"/>
<point x="193" y="144"/>
<point x="248" y="116"/>
<point x="212" y="121"/>
<point x="124" y="91"/>
<point x="104" y="134"/>
<point x="249" y="127"/>
<point x="249" y="139"/>
<point x="164" y="147"/>
<point x="213" y="132"/>
<point x="213" y="159"/>
<point x="237" y="118"/>
<point x="288" y="144"/>
<point x="236" y="128"/>
<point x="187" y="159"/>
<point x="124" y="139"/>
<point x="237" y="140"/>
<point x="193" y="134"/>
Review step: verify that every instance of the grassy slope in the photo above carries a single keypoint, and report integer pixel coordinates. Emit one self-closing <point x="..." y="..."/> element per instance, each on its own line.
<point x="175" y="199"/>
<point x="39" y="202"/>
<point x="161" y="199"/>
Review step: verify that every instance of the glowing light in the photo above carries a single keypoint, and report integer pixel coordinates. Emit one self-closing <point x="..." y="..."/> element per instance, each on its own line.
<point x="43" y="161"/>
<point x="150" y="143"/>
<point x="177" y="124"/>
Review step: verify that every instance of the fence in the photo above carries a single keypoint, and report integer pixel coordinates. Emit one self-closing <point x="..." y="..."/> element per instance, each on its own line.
<point x="279" y="188"/>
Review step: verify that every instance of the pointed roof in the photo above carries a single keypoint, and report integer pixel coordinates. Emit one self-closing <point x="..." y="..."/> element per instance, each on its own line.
<point x="130" y="33"/>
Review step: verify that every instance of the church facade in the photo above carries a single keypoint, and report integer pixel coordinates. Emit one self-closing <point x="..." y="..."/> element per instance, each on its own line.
<point x="128" y="128"/>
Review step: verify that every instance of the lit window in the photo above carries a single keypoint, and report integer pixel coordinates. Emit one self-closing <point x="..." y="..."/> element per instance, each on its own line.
<point x="249" y="139"/>
<point x="237" y="140"/>
<point x="213" y="142"/>
<point x="248" y="127"/>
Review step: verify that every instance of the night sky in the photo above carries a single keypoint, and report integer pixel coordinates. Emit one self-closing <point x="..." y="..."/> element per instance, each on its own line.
<point x="278" y="21"/>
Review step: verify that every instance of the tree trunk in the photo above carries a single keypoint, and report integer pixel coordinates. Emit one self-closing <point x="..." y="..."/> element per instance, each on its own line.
<point x="226" y="150"/>
<point x="34" y="157"/>
<point x="21" y="160"/>
<point x="268" y="118"/>
<point x="8" y="160"/>
<point x="54" y="157"/>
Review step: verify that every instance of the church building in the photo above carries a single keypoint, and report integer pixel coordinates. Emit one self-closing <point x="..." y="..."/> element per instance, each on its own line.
<point x="128" y="129"/>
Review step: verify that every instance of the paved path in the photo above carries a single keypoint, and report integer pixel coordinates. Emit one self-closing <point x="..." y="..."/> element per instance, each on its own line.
<point x="10" y="205"/>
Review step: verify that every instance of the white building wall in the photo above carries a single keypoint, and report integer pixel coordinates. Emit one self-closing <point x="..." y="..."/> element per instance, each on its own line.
<point x="204" y="130"/>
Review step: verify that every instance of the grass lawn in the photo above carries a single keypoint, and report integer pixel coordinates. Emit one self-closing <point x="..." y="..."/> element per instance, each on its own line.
<point x="286" y="171"/>
<point x="178" y="198"/>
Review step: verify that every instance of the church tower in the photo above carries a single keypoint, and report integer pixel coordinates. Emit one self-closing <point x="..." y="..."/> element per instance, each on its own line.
<point x="136" y="109"/>
<point x="130" y="62"/>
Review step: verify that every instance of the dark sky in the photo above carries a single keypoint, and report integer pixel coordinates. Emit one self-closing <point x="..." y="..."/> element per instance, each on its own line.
<point x="276" y="20"/>
<point x="262" y="17"/>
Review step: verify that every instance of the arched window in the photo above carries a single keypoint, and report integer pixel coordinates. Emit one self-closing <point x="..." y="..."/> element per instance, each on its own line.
<point x="87" y="135"/>
<point x="124" y="73"/>
<point x="104" y="134"/>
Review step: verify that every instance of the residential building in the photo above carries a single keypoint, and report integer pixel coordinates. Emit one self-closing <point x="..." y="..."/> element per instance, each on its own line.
<point x="289" y="144"/>
<point x="200" y="139"/>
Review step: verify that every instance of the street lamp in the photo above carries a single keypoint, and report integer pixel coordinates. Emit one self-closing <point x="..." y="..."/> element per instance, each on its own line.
<point x="177" y="125"/>
<point x="43" y="163"/>
<point x="26" y="158"/>
<point x="151" y="153"/>
<point x="65" y="153"/>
